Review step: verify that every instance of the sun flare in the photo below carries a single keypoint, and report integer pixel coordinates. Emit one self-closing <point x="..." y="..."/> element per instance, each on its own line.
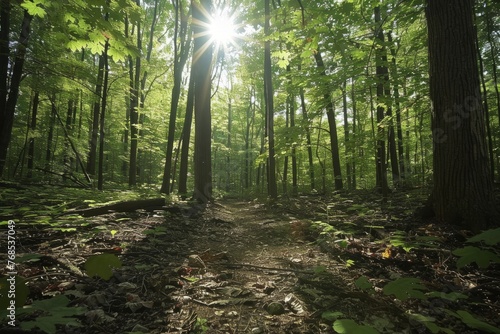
<point x="222" y="29"/>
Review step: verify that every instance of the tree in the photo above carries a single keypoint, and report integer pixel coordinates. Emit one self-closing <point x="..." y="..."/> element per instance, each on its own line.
<point x="181" y="53"/>
<point x="202" y="68"/>
<point x="272" y="189"/>
<point x="463" y="188"/>
<point x="10" y="81"/>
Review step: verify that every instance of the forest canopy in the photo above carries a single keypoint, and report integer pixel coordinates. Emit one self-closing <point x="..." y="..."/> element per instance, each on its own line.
<point x="303" y="97"/>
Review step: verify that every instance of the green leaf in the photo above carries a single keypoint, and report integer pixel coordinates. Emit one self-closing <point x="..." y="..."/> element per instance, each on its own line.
<point x="101" y="265"/>
<point x="430" y="324"/>
<point x="7" y="294"/>
<point x="452" y="296"/>
<point x="348" y="326"/>
<point x="471" y="321"/>
<point x="404" y="288"/>
<point x="331" y="316"/>
<point x="472" y="254"/>
<point x="29" y="258"/>
<point x="33" y="8"/>
<point x="490" y="237"/>
<point x="59" y="314"/>
<point x="363" y="283"/>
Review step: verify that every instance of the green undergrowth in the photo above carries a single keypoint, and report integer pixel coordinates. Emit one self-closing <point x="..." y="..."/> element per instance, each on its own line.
<point x="344" y="237"/>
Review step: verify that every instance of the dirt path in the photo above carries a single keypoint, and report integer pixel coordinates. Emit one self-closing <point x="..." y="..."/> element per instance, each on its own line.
<point x="251" y="269"/>
<point x="253" y="256"/>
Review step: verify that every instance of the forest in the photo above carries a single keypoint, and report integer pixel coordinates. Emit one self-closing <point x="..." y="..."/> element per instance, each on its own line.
<point x="222" y="166"/>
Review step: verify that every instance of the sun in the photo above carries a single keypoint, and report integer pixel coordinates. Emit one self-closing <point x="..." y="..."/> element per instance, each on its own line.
<point x="222" y="29"/>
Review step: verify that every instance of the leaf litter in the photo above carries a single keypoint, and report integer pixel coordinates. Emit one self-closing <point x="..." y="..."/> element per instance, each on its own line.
<point x="305" y="265"/>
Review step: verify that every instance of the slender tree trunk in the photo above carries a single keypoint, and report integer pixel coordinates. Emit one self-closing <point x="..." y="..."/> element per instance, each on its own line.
<point x="229" y="144"/>
<point x="486" y="109"/>
<point x="186" y="137"/>
<point x="68" y="125"/>
<point x="399" y="129"/>
<point x="346" y="136"/>
<point x="250" y="118"/>
<point x="31" y="145"/>
<point x="92" y="155"/>
<point x="330" y="112"/>
<point x="491" y="42"/>
<point x="306" y="121"/>
<point x="100" y="179"/>
<point x="272" y="189"/>
<point x="202" y="65"/>
<point x="134" y="74"/>
<point x="180" y="57"/>
<point x="381" y="72"/>
<point x="463" y="187"/>
<point x="354" y="134"/>
<point x="291" y="103"/>
<point x="50" y="135"/>
<point x="9" y="102"/>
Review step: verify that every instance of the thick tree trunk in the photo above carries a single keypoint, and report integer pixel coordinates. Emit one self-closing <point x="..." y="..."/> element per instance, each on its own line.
<point x="463" y="188"/>
<point x="202" y="67"/>
<point x="10" y="100"/>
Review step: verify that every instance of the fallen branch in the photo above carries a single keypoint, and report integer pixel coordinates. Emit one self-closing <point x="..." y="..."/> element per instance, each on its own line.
<point x="126" y="206"/>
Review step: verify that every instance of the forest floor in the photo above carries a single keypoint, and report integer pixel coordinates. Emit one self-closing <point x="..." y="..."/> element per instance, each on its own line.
<point x="311" y="264"/>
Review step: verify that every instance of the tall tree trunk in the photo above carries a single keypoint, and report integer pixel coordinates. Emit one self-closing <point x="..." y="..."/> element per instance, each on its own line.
<point x="31" y="147"/>
<point x="250" y="119"/>
<point x="181" y="51"/>
<point x="68" y="125"/>
<point x="354" y="133"/>
<point x="272" y="189"/>
<point x="346" y="136"/>
<point x="134" y="78"/>
<point x="381" y="72"/>
<point x="5" y="9"/>
<point x="92" y="155"/>
<point x="291" y="103"/>
<point x="399" y="129"/>
<point x="9" y="102"/>
<point x="100" y="179"/>
<point x="186" y="137"/>
<point x="332" y="125"/>
<point x="463" y="187"/>
<point x="202" y="65"/>
<point x="306" y="121"/>
<point x="50" y="135"/>
<point x="229" y="144"/>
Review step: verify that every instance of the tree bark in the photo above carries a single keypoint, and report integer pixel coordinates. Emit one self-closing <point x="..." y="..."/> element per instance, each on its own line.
<point x="202" y="67"/>
<point x="463" y="188"/>
<point x="9" y="102"/>
<point x="381" y="76"/>
<point x="186" y="138"/>
<point x="332" y="125"/>
<point x="32" y="127"/>
<point x="272" y="189"/>
<point x="100" y="178"/>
